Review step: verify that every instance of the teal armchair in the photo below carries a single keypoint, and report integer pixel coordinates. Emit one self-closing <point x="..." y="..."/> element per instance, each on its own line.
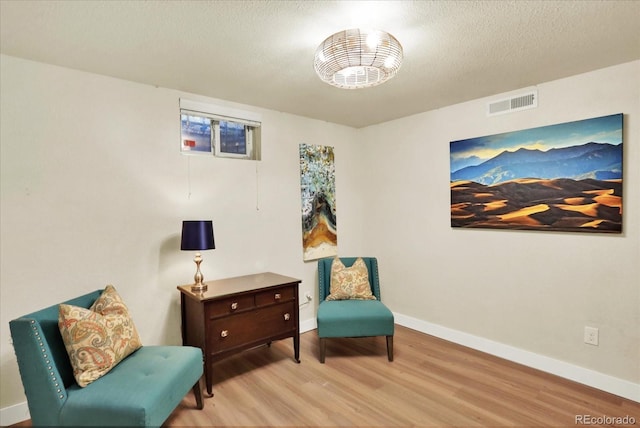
<point x="142" y="390"/>
<point x="352" y="318"/>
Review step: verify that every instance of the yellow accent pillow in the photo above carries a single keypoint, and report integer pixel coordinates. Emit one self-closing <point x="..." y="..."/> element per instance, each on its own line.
<point x="350" y="282"/>
<point x="98" y="338"/>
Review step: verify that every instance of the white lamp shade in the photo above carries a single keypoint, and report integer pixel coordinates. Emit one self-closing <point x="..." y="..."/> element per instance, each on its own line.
<point x="358" y="58"/>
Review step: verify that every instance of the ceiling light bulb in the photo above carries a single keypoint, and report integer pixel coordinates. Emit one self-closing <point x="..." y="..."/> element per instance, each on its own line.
<point x="372" y="40"/>
<point x="389" y="61"/>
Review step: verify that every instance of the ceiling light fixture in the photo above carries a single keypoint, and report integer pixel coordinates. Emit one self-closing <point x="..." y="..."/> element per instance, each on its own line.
<point x="357" y="58"/>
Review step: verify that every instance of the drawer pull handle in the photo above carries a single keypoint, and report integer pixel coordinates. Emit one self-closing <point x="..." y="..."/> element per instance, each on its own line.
<point x="277" y="296"/>
<point x="224" y="333"/>
<point x="287" y="317"/>
<point x="234" y="306"/>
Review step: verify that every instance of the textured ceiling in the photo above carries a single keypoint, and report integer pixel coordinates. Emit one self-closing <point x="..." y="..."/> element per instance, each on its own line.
<point x="261" y="52"/>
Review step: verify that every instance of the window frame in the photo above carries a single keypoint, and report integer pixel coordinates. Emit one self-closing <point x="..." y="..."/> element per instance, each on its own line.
<point x="252" y="128"/>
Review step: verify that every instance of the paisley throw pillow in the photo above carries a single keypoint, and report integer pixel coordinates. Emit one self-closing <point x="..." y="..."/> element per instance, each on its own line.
<point x="350" y="282"/>
<point x="98" y="338"/>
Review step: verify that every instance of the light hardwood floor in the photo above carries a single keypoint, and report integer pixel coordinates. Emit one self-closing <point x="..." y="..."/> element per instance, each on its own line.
<point x="430" y="383"/>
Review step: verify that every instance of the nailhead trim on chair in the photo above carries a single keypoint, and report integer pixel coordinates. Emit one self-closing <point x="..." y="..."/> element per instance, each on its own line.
<point x="375" y="280"/>
<point x="46" y="358"/>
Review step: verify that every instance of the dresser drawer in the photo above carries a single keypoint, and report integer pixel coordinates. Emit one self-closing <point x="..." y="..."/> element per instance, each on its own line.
<point x="229" y="306"/>
<point x="251" y="327"/>
<point x="275" y="295"/>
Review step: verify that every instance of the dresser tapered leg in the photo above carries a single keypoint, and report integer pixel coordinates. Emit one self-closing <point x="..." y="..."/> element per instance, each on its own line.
<point x="208" y="375"/>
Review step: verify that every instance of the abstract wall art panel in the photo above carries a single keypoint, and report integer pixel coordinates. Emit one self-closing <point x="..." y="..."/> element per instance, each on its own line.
<point x="565" y="177"/>
<point x="318" y="190"/>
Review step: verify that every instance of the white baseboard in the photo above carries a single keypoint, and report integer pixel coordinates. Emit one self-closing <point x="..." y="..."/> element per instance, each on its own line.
<point x="613" y="385"/>
<point x="308" y="325"/>
<point x="14" y="414"/>
<point x="20" y="412"/>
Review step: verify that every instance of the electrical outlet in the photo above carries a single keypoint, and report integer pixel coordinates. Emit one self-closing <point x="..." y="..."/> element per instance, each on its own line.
<point x="308" y="296"/>
<point x="591" y="335"/>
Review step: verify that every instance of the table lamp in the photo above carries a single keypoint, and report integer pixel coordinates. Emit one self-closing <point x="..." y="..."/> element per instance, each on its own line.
<point x="197" y="235"/>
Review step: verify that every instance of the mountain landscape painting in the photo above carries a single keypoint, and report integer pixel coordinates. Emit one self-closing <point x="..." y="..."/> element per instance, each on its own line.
<point x="565" y="177"/>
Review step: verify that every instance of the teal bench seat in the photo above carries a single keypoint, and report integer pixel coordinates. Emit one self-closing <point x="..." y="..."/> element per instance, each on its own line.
<point x="142" y="390"/>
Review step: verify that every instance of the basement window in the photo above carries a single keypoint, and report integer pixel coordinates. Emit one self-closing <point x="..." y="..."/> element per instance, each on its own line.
<point x="217" y="131"/>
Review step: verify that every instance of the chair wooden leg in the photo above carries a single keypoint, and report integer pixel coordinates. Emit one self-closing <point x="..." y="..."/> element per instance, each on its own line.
<point x="323" y="348"/>
<point x="390" y="347"/>
<point x="197" y="391"/>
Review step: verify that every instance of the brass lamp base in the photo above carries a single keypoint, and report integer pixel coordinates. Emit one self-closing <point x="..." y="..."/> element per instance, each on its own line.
<point x="199" y="286"/>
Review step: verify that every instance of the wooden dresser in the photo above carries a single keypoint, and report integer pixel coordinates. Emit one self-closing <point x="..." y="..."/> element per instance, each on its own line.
<point x="236" y="314"/>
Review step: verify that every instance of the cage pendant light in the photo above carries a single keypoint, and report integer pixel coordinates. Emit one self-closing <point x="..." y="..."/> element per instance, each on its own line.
<point x="357" y="58"/>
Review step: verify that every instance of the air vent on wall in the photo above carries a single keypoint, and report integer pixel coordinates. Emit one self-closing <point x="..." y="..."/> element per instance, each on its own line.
<point x="515" y="103"/>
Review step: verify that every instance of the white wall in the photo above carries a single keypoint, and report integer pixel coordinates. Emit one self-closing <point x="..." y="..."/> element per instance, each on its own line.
<point x="94" y="189"/>
<point x="534" y="291"/>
